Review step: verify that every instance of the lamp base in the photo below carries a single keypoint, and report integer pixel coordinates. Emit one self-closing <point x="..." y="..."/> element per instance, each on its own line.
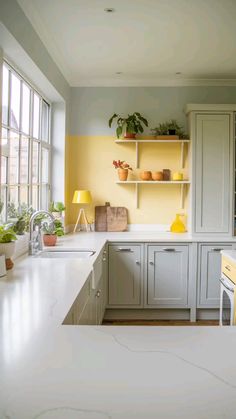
<point x="81" y="216"/>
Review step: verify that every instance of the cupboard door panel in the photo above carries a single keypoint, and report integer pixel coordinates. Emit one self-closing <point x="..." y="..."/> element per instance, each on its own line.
<point x="212" y="173"/>
<point x="168" y="276"/>
<point x="124" y="282"/>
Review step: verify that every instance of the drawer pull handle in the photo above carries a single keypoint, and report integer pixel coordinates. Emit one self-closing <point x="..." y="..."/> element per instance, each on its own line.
<point x="121" y="249"/>
<point x="216" y="249"/>
<point x="168" y="249"/>
<point x="228" y="268"/>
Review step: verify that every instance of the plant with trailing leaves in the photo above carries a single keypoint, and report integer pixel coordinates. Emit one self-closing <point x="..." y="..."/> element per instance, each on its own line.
<point x="118" y="164"/>
<point x="19" y="217"/>
<point x="7" y="234"/>
<point x="167" y="128"/>
<point x="133" y="124"/>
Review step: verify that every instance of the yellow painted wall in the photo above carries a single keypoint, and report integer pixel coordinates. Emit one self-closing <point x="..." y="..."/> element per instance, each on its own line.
<point x="89" y="166"/>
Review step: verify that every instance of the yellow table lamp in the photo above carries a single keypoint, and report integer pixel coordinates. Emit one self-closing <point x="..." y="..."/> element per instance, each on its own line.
<point x="82" y="197"/>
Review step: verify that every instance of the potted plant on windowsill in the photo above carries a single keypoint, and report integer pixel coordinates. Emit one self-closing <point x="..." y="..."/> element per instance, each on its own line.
<point x="57" y="208"/>
<point x="7" y="243"/>
<point x="122" y="168"/>
<point x="131" y="125"/>
<point x="51" y="231"/>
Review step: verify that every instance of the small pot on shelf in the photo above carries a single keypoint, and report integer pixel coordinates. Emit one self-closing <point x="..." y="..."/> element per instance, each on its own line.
<point x="49" y="239"/>
<point x="146" y="175"/>
<point x="130" y="135"/>
<point x="157" y="176"/>
<point x="123" y="174"/>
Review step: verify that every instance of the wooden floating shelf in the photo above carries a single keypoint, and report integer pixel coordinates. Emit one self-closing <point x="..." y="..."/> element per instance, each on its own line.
<point x="152" y="141"/>
<point x="137" y="183"/>
<point x="150" y="182"/>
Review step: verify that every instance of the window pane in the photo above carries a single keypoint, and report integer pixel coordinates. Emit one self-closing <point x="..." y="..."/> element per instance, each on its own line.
<point x="14" y="158"/>
<point x="5" y="91"/>
<point x="4" y="142"/>
<point x="35" y="197"/>
<point x="15" y="102"/>
<point x="24" y="160"/>
<point x="4" y="202"/>
<point x="45" y="165"/>
<point x="25" y="115"/>
<point x="13" y="195"/>
<point x="24" y="195"/>
<point x="3" y="170"/>
<point x="35" y="163"/>
<point x="45" y="195"/>
<point x="45" y="121"/>
<point x="36" y="117"/>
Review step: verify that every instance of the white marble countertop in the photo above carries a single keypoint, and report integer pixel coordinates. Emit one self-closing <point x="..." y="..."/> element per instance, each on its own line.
<point x="50" y="371"/>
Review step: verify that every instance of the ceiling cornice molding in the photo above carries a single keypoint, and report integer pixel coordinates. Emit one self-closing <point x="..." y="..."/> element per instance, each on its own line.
<point x="113" y="82"/>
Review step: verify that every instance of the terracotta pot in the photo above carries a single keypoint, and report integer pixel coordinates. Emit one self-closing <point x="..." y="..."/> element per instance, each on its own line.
<point x="123" y="174"/>
<point x="146" y="175"/>
<point x="157" y="175"/>
<point x="49" y="239"/>
<point x="8" y="249"/>
<point x="130" y="135"/>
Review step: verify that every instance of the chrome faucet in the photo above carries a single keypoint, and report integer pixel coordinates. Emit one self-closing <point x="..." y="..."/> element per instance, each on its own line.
<point x="35" y="240"/>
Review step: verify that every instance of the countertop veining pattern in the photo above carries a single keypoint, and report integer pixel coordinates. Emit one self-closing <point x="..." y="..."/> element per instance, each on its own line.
<point x="51" y="371"/>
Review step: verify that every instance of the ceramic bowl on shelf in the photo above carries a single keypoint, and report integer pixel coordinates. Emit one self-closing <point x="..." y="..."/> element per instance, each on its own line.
<point x="146" y="175"/>
<point x="157" y="175"/>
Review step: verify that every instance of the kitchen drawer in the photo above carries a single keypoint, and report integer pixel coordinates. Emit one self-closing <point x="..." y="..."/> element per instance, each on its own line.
<point x="229" y="269"/>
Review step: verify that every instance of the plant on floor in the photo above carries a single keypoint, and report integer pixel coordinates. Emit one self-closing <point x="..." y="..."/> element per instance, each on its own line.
<point x="169" y="128"/>
<point x="132" y="125"/>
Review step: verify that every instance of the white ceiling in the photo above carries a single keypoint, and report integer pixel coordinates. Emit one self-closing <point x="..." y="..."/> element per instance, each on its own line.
<point x="147" y="40"/>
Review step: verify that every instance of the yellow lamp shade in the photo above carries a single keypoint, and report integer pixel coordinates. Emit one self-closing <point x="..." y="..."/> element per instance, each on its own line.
<point x="82" y="197"/>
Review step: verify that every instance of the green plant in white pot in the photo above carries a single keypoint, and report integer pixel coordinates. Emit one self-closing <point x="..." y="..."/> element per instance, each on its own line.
<point x="7" y="243"/>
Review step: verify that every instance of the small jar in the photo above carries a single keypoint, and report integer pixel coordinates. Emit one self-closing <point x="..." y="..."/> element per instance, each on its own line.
<point x="178" y="176"/>
<point x="157" y="175"/>
<point x="146" y="175"/>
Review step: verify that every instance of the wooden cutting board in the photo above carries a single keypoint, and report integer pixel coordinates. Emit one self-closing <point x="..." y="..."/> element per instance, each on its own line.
<point x="117" y="218"/>
<point x="109" y="218"/>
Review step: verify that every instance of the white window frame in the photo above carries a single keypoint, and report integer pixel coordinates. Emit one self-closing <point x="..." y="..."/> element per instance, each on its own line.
<point x="31" y="138"/>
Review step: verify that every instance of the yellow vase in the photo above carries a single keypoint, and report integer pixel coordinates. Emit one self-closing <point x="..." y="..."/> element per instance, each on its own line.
<point x="177" y="226"/>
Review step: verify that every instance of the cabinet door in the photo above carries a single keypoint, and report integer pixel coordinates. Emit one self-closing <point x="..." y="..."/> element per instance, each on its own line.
<point x="209" y="275"/>
<point x="124" y="275"/>
<point x="168" y="275"/>
<point x="212" y="174"/>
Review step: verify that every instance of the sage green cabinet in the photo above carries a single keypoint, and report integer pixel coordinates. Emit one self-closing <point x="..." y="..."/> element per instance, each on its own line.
<point x="209" y="274"/>
<point x="125" y="275"/>
<point x="212" y="175"/>
<point x="167" y="276"/>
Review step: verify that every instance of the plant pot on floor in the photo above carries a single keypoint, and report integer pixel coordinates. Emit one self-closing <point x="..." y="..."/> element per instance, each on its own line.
<point x="49" y="239"/>
<point x="123" y="174"/>
<point x="8" y="249"/>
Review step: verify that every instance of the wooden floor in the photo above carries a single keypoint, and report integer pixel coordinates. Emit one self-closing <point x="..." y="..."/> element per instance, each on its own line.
<point x="159" y="323"/>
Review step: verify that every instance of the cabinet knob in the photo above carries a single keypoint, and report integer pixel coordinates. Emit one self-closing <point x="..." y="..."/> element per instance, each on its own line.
<point x="104" y="259"/>
<point x="151" y="263"/>
<point x="137" y="262"/>
<point x="104" y="252"/>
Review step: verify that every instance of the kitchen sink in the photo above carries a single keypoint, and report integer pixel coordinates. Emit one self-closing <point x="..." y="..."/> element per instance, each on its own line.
<point x="67" y="254"/>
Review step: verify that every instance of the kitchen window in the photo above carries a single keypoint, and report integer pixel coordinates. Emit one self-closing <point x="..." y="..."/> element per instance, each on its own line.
<point x="25" y="147"/>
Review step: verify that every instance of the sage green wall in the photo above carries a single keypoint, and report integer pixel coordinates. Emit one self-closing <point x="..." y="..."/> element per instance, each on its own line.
<point x="91" y="107"/>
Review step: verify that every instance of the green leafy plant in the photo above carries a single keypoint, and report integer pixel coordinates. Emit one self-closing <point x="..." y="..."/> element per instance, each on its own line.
<point x="167" y="127"/>
<point x="56" y="207"/>
<point x="19" y="217"/>
<point x="7" y="234"/>
<point x="133" y="124"/>
<point x="53" y="228"/>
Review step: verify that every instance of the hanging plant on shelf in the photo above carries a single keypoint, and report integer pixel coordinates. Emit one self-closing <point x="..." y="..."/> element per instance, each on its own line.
<point x="123" y="169"/>
<point x="130" y="126"/>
